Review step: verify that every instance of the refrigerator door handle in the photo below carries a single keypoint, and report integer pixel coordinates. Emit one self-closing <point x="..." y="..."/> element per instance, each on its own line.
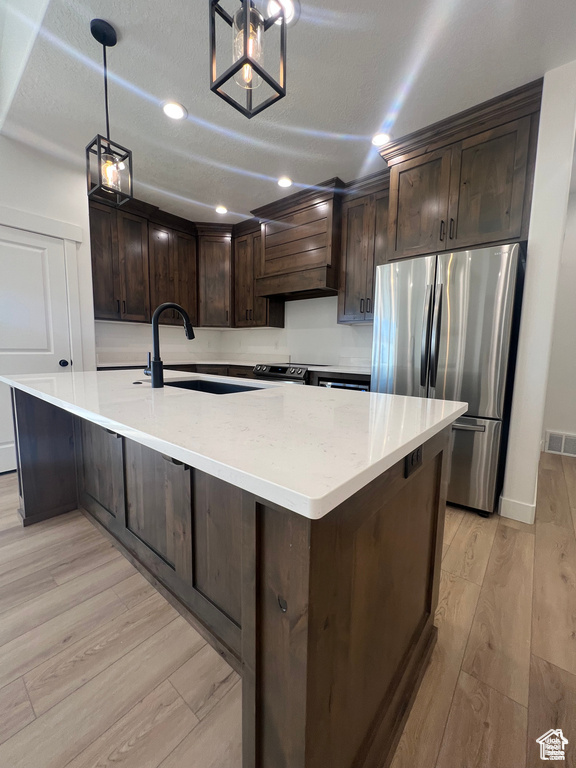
<point x="425" y="345"/>
<point x="469" y="427"/>
<point x="435" y="339"/>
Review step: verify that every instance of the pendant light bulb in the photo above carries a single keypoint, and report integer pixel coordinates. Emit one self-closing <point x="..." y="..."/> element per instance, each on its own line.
<point x="111" y="172"/>
<point x="246" y="77"/>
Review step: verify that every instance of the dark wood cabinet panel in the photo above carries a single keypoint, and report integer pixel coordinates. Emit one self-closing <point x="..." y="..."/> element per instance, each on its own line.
<point x="241" y="371"/>
<point x="134" y="270"/>
<point x="364" y="246"/>
<point x="213" y="370"/>
<point x="214" y="280"/>
<point x="218" y="543"/>
<point x="357" y="252"/>
<point x="187" y="274"/>
<point x="173" y="272"/>
<point x="163" y="277"/>
<point x="419" y="196"/>
<point x="159" y="506"/>
<point x="101" y="473"/>
<point x="243" y="281"/>
<point x="251" y="311"/>
<point x="488" y="185"/>
<point x="105" y="267"/>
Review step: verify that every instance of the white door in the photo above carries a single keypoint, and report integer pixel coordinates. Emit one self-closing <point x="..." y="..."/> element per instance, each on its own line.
<point x="34" y="333"/>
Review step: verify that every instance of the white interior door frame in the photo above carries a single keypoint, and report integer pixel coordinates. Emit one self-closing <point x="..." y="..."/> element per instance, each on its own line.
<point x="72" y="236"/>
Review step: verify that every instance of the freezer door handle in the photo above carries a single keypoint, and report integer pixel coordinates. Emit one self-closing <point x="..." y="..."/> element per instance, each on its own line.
<point x="425" y="346"/>
<point x="435" y="339"/>
<point x="469" y="427"/>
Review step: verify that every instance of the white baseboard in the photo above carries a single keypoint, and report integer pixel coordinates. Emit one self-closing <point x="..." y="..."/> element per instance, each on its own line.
<point x="7" y="457"/>
<point x="517" y="510"/>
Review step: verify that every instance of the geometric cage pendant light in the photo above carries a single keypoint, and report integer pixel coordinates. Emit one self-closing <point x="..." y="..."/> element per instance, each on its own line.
<point x="108" y="164"/>
<point x="246" y="84"/>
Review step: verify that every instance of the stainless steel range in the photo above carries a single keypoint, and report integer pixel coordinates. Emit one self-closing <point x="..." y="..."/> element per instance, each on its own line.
<point x="291" y="373"/>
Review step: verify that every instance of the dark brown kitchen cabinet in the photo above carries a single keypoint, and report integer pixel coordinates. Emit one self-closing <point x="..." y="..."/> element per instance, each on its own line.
<point x="119" y="247"/>
<point x="173" y="272"/>
<point x="215" y="279"/>
<point x="100" y="468"/>
<point x="469" y="193"/>
<point x="364" y="239"/>
<point x="252" y="311"/>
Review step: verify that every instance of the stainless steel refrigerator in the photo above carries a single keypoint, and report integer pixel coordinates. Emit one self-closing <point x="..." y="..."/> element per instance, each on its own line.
<point x="445" y="327"/>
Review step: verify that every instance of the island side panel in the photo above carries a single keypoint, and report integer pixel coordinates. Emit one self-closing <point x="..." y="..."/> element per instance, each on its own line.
<point x="45" y="458"/>
<point x="343" y="620"/>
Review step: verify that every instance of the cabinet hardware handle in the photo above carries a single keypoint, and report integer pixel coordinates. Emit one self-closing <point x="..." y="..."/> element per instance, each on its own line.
<point x="118" y="305"/>
<point x="246" y="314"/>
<point x="283" y="604"/>
<point x="114" y="434"/>
<point x="451" y="235"/>
<point x="442" y="229"/>
<point x="361" y="306"/>
<point x="124" y="307"/>
<point x="251" y="318"/>
<point x="368" y="306"/>
<point x="226" y="315"/>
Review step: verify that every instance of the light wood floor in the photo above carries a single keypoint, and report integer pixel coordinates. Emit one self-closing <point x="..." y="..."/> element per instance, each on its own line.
<point x="97" y="670"/>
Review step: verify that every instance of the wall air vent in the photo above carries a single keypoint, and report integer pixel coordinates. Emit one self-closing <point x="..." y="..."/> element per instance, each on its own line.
<point x="557" y="442"/>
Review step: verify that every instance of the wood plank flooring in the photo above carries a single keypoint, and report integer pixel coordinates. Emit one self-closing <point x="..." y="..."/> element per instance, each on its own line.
<point x="97" y="670"/>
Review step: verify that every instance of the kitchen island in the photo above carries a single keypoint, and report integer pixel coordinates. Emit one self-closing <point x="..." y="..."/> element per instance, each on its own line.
<point x="298" y="528"/>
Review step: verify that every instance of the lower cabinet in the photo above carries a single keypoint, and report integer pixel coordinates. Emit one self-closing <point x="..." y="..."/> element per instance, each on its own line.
<point x="182" y="525"/>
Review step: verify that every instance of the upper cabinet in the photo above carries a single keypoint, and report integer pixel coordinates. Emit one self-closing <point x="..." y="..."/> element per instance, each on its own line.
<point x="214" y="276"/>
<point x="173" y="272"/>
<point x="364" y="240"/>
<point x="119" y="245"/>
<point x="454" y="186"/>
<point x="251" y="311"/>
<point x="301" y="244"/>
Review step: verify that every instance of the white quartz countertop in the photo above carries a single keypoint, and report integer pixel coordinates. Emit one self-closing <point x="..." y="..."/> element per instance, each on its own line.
<point x="305" y="448"/>
<point x="357" y="369"/>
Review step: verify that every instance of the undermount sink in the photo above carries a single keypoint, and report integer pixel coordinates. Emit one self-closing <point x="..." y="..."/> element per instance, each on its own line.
<point x="212" y="387"/>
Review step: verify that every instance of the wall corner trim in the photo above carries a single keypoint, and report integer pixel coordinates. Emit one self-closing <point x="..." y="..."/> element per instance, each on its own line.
<point x="517" y="510"/>
<point x="32" y="222"/>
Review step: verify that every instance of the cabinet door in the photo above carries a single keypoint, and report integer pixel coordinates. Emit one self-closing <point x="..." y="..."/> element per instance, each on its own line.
<point x="186" y="275"/>
<point x="418" y="215"/>
<point x="488" y="184"/>
<point x="101" y="474"/>
<point x="264" y="311"/>
<point x="357" y="251"/>
<point x="243" y="281"/>
<point x="379" y="254"/>
<point x="133" y="250"/>
<point x="105" y="272"/>
<point x="214" y="275"/>
<point x="159" y="510"/>
<point x="163" y="277"/>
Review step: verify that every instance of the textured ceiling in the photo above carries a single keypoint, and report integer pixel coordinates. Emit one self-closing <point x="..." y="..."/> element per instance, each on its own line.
<point x="352" y="68"/>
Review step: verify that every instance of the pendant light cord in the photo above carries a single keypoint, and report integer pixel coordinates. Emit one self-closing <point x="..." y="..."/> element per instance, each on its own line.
<point x="106" y="96"/>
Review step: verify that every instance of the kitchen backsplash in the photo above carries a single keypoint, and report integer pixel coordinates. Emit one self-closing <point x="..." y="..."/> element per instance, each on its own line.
<point x="311" y="335"/>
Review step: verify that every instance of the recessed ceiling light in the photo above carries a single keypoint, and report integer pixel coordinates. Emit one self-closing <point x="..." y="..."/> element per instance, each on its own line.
<point x="291" y="10"/>
<point x="284" y="181"/>
<point x="174" y="110"/>
<point x="380" y="139"/>
<point x="221" y="209"/>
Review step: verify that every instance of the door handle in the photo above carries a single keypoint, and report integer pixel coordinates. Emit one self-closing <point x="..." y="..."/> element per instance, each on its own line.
<point x="451" y="235"/>
<point x="425" y="343"/>
<point x="361" y="306"/>
<point x="368" y="306"/>
<point x="442" y="229"/>
<point x="435" y="342"/>
<point x="469" y="427"/>
<point x="63" y="363"/>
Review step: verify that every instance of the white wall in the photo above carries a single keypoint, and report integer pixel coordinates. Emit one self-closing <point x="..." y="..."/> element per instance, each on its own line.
<point x="36" y="183"/>
<point x="311" y="335"/>
<point x="545" y="245"/>
<point x="560" y="414"/>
